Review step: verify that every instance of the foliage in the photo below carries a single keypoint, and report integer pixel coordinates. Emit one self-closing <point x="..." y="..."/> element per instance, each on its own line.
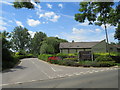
<point x="21" y="39"/>
<point x="117" y="33"/>
<point x="103" y="58"/>
<point x="54" y="59"/>
<point x="73" y="59"/>
<point x="23" y="4"/>
<point x="105" y="54"/>
<point x="44" y="56"/>
<point x="98" y="13"/>
<point x="7" y="59"/>
<point x="50" y="45"/>
<point x="63" y="55"/>
<point x="97" y="64"/>
<point x="36" y="42"/>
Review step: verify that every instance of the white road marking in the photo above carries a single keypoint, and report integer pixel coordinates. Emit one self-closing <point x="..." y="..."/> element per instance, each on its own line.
<point x="77" y="73"/>
<point x="53" y="69"/>
<point x="20" y="63"/>
<point x="40" y="69"/>
<point x="96" y="71"/>
<point x="102" y="70"/>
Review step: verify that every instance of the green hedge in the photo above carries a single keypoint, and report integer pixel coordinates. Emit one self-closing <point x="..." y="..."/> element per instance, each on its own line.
<point x="73" y="59"/>
<point x="97" y="64"/>
<point x="9" y="63"/>
<point x="44" y="56"/>
<point x="103" y="58"/>
<point x="105" y="54"/>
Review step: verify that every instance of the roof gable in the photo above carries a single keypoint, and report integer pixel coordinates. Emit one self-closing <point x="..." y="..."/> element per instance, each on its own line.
<point x="78" y="44"/>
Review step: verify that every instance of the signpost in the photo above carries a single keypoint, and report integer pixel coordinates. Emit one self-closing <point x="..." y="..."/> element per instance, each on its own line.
<point x="85" y="55"/>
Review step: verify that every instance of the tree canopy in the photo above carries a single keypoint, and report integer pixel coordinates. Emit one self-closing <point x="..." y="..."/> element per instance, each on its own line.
<point x="24" y="4"/>
<point x="36" y="42"/>
<point x="98" y="13"/>
<point x="21" y="39"/>
<point x="50" y="45"/>
<point x="117" y="33"/>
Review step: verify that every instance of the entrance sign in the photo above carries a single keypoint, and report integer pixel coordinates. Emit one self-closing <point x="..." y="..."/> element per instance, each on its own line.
<point x="85" y="55"/>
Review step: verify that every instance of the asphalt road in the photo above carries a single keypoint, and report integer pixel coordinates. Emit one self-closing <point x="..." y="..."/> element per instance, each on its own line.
<point x="34" y="73"/>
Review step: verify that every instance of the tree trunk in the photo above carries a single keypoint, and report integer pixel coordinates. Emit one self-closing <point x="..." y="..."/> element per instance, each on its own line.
<point x="107" y="43"/>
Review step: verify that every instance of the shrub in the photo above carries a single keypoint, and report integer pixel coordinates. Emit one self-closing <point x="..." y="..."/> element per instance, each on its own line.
<point x="54" y="59"/>
<point x="20" y="53"/>
<point x="10" y="63"/>
<point x="105" y="54"/>
<point x="73" y="59"/>
<point x="19" y="56"/>
<point x="30" y="56"/>
<point x="44" y="56"/>
<point x="97" y="64"/>
<point x="62" y="55"/>
<point x="103" y="58"/>
<point x="103" y="64"/>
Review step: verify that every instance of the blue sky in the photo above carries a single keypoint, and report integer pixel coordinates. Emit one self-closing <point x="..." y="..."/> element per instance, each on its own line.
<point x="54" y="19"/>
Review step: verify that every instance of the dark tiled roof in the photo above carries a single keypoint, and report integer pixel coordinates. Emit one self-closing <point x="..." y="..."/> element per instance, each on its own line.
<point x="78" y="44"/>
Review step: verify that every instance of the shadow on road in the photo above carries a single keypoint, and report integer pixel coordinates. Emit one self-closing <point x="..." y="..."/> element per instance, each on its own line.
<point x="14" y="69"/>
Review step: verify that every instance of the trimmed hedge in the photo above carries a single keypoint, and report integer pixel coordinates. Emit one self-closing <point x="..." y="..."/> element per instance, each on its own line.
<point x="103" y="58"/>
<point x="9" y="63"/>
<point x="73" y="59"/>
<point x="44" y="56"/>
<point x="97" y="64"/>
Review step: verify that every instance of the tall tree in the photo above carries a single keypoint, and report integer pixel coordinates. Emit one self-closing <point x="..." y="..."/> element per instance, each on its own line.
<point x="36" y="42"/>
<point x="21" y="39"/>
<point x="115" y="20"/>
<point x="24" y="4"/>
<point x="97" y="13"/>
<point x="7" y="58"/>
<point x="51" y="45"/>
<point x="117" y="33"/>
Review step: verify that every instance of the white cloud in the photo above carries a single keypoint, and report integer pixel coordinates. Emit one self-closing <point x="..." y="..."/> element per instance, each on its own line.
<point x="33" y="23"/>
<point x="49" y="6"/>
<point x="55" y="18"/>
<point x="84" y="35"/>
<point x="10" y="21"/>
<point x="44" y="22"/>
<point x="77" y="31"/>
<point x="97" y="30"/>
<point x="2" y="22"/>
<point x="51" y="16"/>
<point x="2" y="28"/>
<point x="5" y="2"/>
<point x="19" y="23"/>
<point x="57" y="36"/>
<point x="60" y="5"/>
<point x="32" y="33"/>
<point x="2" y="25"/>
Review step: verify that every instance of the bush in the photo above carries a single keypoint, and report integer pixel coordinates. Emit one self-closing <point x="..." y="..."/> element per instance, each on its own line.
<point x="103" y="64"/>
<point x="103" y="58"/>
<point x="30" y="56"/>
<point x="116" y="58"/>
<point x="62" y="55"/>
<point x="105" y="54"/>
<point x="44" y="56"/>
<point x="97" y="64"/>
<point x="20" y="53"/>
<point x="54" y="59"/>
<point x="73" y="59"/>
<point x="10" y="63"/>
<point x="19" y="56"/>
